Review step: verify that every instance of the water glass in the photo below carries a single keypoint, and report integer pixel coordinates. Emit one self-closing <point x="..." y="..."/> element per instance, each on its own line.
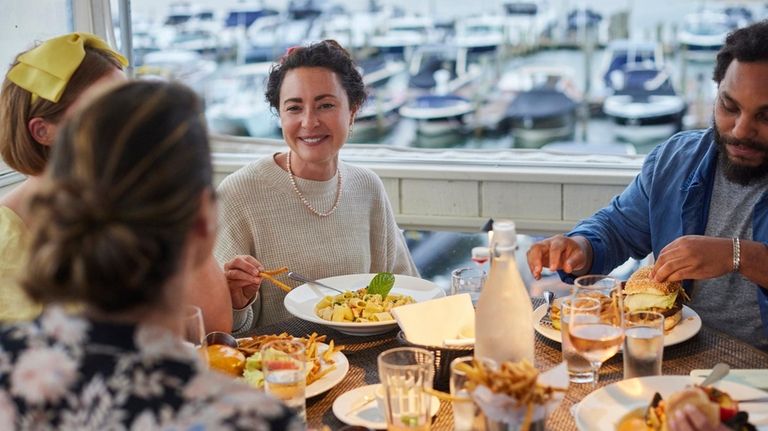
<point x="464" y="412"/>
<point x="643" y="344"/>
<point x="406" y="374"/>
<point x="468" y="280"/>
<point x="597" y="334"/>
<point x="579" y="368"/>
<point x="283" y="363"/>
<point x="194" y="330"/>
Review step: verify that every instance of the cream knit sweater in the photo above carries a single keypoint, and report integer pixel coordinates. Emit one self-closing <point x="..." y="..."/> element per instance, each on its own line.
<point x="262" y="216"/>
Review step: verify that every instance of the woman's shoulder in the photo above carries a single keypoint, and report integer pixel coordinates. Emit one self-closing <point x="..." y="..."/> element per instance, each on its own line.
<point x="362" y="177"/>
<point x="259" y="174"/>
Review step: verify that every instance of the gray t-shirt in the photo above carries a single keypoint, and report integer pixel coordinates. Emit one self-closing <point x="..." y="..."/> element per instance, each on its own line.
<point x="729" y="303"/>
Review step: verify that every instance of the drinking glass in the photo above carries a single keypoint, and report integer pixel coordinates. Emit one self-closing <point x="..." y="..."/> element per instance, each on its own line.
<point x="468" y="280"/>
<point x="406" y="374"/>
<point x="283" y="363"/>
<point x="643" y="344"/>
<point x="194" y="330"/>
<point x="464" y="412"/>
<point x="596" y="334"/>
<point x="579" y="368"/>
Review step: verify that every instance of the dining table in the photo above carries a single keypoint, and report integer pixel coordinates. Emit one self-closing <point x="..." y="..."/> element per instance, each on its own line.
<point x="707" y="348"/>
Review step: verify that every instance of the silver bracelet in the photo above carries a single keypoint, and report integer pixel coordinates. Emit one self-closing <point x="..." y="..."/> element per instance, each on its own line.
<point x="736" y="254"/>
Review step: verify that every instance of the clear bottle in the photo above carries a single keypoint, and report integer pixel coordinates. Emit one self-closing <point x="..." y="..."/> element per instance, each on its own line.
<point x="504" y="314"/>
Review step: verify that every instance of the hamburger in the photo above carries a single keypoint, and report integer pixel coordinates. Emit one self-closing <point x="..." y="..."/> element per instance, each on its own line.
<point x="642" y="293"/>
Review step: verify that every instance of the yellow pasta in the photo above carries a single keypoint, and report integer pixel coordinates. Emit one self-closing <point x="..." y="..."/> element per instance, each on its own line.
<point x="359" y="306"/>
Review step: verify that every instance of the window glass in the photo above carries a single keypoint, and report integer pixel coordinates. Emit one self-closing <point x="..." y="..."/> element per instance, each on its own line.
<point x="587" y="76"/>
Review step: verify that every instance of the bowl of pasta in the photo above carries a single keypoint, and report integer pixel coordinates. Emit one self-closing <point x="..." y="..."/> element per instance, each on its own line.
<point x="364" y="307"/>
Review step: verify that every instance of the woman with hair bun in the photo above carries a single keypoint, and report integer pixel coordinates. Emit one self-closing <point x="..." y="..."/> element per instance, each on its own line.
<point x="304" y="208"/>
<point x="116" y="228"/>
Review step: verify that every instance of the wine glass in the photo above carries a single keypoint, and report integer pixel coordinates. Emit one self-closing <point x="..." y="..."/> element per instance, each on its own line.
<point x="596" y="333"/>
<point x="194" y="330"/>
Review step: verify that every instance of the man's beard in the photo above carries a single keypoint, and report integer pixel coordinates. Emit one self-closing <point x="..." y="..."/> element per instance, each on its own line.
<point x="735" y="172"/>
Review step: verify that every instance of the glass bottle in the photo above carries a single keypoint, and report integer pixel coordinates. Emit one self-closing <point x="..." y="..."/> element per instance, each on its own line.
<point x="504" y="314"/>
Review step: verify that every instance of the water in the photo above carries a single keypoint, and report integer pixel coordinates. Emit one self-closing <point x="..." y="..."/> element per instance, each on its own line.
<point x="288" y="386"/>
<point x="643" y="350"/>
<point x="463" y="413"/>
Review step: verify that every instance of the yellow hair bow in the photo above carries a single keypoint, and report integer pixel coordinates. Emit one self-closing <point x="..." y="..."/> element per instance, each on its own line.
<point x="46" y="69"/>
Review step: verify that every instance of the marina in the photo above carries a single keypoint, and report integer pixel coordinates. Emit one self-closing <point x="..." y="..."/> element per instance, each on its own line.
<point x="443" y="76"/>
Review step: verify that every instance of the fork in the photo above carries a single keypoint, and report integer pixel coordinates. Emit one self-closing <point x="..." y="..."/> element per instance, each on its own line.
<point x="303" y="279"/>
<point x="546" y="320"/>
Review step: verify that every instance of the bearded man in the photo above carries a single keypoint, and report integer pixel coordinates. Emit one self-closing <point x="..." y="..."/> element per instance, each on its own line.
<point x="699" y="204"/>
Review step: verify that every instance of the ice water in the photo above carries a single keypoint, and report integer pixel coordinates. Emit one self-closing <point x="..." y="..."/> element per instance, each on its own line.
<point x="288" y="386"/>
<point x="463" y="413"/>
<point x="643" y="349"/>
<point x="579" y="369"/>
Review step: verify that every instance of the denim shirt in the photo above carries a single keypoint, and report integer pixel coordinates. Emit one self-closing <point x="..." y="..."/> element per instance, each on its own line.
<point x="669" y="198"/>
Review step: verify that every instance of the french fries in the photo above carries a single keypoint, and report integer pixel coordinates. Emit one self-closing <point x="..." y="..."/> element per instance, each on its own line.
<point x="249" y="346"/>
<point x="270" y="275"/>
<point x="518" y="380"/>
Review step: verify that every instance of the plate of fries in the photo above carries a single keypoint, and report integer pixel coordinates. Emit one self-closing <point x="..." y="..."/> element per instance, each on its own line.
<point x="326" y="365"/>
<point x="301" y="301"/>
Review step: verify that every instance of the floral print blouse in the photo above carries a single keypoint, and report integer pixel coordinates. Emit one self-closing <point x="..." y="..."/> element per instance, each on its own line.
<point x="62" y="372"/>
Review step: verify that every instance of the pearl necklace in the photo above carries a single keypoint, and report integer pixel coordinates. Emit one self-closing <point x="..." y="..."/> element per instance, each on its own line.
<point x="305" y="201"/>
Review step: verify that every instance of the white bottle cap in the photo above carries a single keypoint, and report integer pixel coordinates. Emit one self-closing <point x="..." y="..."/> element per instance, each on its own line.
<point x="504" y="233"/>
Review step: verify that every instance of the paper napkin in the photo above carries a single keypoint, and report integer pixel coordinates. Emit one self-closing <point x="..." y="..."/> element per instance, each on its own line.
<point x="433" y="322"/>
<point x="757" y="378"/>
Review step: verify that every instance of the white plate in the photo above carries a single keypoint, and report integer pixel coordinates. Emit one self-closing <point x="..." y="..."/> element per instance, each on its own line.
<point x="687" y="328"/>
<point x="369" y="416"/>
<point x="301" y="301"/>
<point x="331" y="379"/>
<point x="603" y="408"/>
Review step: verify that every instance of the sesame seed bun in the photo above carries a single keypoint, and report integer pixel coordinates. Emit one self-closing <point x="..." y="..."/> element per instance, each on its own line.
<point x="641" y="282"/>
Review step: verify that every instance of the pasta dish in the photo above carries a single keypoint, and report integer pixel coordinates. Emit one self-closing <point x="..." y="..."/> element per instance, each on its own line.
<point x="360" y="306"/>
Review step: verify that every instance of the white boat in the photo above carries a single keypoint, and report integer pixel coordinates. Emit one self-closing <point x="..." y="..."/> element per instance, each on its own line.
<point x="645" y="107"/>
<point x="482" y="33"/>
<point x="377" y="71"/>
<point x="623" y="54"/>
<point x="431" y="63"/>
<point x="236" y="104"/>
<point x="529" y="20"/>
<point x="188" y="67"/>
<point x="437" y="114"/>
<point x="544" y="105"/>
<point x="377" y="116"/>
<point x="703" y="34"/>
<point x="401" y="35"/>
<point x="270" y="36"/>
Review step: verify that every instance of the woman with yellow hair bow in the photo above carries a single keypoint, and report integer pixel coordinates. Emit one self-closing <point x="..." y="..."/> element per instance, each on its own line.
<point x="41" y="86"/>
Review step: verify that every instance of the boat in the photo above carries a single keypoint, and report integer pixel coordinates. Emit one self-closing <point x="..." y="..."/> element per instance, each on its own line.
<point x="188" y="67"/>
<point x="703" y="33"/>
<point x="544" y="105"/>
<point x="236" y="104"/>
<point x="449" y="62"/>
<point x="437" y="114"/>
<point x="482" y="33"/>
<point x="401" y="35"/>
<point x="528" y="20"/>
<point x="377" y="116"/>
<point x="646" y="107"/>
<point x="623" y="54"/>
<point x="378" y="70"/>
<point x="270" y="36"/>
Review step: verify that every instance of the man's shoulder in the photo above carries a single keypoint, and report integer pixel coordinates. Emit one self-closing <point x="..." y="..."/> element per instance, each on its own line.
<point x="686" y="144"/>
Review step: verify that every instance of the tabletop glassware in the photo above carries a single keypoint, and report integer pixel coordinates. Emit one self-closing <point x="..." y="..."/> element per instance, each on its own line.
<point x="580" y="370"/>
<point x="194" y="330"/>
<point x="464" y="411"/>
<point x="597" y="334"/>
<point x="284" y="363"/>
<point x="406" y="374"/>
<point x="468" y="280"/>
<point x="643" y="344"/>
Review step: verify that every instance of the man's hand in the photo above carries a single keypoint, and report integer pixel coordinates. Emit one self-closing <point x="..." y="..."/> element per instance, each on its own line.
<point x="242" y="273"/>
<point x="694" y="257"/>
<point x="559" y="252"/>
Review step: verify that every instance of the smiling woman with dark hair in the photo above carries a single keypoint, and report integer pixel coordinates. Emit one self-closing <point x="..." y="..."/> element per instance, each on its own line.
<point x="117" y="229"/>
<point x="304" y="208"/>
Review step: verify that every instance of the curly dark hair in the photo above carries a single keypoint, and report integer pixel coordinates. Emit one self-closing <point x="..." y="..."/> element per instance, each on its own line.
<point x="746" y="44"/>
<point x="328" y="54"/>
